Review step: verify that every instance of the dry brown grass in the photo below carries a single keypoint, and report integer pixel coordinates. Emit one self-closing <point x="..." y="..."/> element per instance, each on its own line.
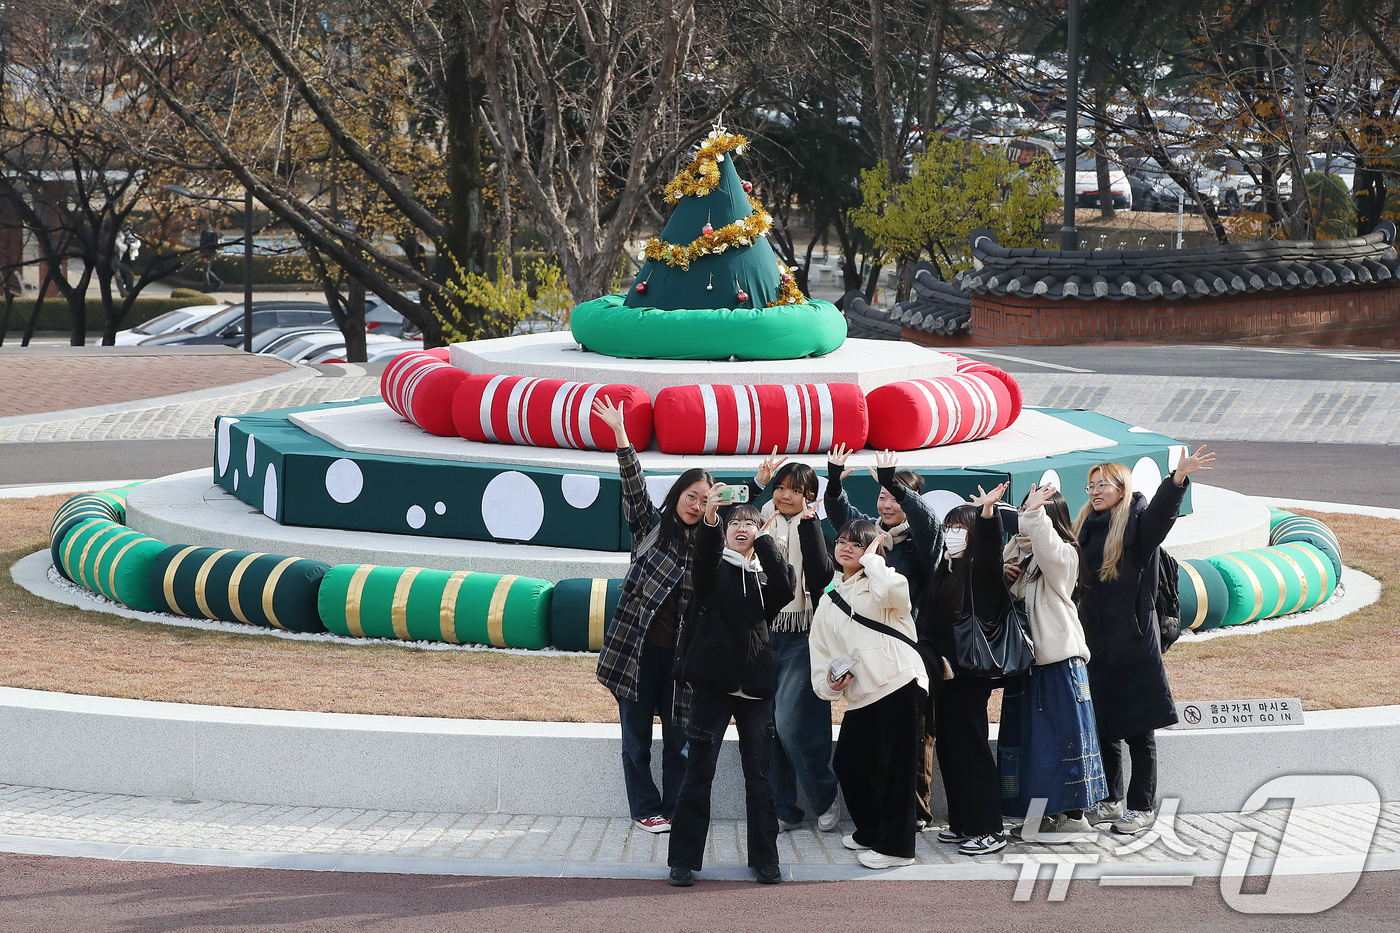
<point x="46" y="646"/>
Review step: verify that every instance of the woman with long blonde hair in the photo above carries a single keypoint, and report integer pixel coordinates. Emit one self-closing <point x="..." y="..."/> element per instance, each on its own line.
<point x="1119" y="532"/>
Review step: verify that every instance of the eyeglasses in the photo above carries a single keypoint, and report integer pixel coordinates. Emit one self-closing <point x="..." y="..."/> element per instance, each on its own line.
<point x="1100" y="485"/>
<point x="740" y="523"/>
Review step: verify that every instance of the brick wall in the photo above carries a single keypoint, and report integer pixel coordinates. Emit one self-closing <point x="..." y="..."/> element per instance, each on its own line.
<point x="1319" y="315"/>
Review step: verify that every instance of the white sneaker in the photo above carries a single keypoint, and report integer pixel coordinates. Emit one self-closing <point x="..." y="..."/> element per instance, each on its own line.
<point x="872" y="859"/>
<point x="984" y="844"/>
<point x="849" y="841"/>
<point x="787" y="826"/>
<point x="828" y="820"/>
<point x="1056" y="830"/>
<point x="1105" y="811"/>
<point x="1134" y="822"/>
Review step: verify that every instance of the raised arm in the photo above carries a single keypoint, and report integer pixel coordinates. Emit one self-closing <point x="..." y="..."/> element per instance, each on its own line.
<point x="817" y="566"/>
<point x="637" y="507"/>
<point x="924" y="528"/>
<point x="838" y="506"/>
<point x="988" y="584"/>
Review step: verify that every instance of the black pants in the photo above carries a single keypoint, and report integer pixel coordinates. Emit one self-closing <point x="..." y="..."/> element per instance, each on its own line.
<point x="1142" y="755"/>
<point x="876" y="762"/>
<point x="971" y="780"/>
<point x="710" y="712"/>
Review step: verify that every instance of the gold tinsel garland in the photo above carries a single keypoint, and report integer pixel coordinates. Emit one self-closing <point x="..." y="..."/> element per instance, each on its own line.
<point x="702" y="175"/>
<point x="699" y="179"/>
<point x="788" y="292"/>
<point x="740" y="233"/>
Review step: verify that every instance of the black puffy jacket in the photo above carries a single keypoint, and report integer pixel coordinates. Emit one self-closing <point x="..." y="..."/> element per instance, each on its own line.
<point x="724" y="643"/>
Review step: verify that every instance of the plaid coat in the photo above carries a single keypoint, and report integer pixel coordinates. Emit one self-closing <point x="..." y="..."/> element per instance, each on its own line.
<point x="650" y="580"/>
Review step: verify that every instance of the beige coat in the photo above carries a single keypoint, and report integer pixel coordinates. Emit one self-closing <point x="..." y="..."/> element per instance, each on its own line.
<point x="1048" y="589"/>
<point x="882" y="664"/>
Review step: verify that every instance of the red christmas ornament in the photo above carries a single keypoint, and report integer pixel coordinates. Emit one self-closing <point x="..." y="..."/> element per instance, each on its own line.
<point x="786" y="278"/>
<point x="748" y="187"/>
<point x="743" y="296"/>
<point x="641" y="288"/>
<point x="707" y="229"/>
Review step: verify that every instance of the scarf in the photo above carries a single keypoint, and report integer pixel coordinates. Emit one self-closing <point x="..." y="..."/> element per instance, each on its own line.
<point x="898" y="533"/>
<point x="796" y="616"/>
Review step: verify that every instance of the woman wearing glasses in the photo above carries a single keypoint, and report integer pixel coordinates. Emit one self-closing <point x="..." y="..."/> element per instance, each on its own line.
<point x="863" y="649"/>
<point x="640" y="646"/>
<point x="1119" y="532"/>
<point x="724" y="653"/>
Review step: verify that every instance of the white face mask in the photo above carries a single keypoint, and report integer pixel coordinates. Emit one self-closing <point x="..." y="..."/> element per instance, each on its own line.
<point x="955" y="540"/>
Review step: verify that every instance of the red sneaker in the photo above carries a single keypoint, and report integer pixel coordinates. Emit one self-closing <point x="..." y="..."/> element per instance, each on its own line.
<point x="654" y="824"/>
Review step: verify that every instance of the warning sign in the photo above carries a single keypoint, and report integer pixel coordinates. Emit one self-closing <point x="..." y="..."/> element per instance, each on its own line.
<point x="1225" y="713"/>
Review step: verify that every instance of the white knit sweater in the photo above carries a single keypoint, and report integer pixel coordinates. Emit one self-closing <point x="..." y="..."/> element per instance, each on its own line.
<point x="1055" y="627"/>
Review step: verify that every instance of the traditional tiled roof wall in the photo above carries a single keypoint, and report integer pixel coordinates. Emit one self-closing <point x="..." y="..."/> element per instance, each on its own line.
<point x="934" y="307"/>
<point x="1198" y="272"/>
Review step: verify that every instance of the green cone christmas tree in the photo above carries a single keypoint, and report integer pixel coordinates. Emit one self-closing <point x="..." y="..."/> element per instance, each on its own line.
<point x="710" y="287"/>
<point x="714" y="251"/>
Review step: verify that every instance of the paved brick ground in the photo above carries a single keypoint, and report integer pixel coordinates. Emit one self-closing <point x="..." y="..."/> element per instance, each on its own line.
<point x="37" y="380"/>
<point x="118" y="826"/>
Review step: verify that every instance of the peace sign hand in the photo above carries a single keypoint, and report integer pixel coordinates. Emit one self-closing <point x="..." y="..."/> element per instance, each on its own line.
<point x="768" y="467"/>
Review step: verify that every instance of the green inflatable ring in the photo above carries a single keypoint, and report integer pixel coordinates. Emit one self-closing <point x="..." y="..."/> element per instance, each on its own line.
<point x="786" y="332"/>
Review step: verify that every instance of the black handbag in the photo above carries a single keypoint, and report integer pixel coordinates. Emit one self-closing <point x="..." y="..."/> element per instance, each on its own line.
<point x="995" y="648"/>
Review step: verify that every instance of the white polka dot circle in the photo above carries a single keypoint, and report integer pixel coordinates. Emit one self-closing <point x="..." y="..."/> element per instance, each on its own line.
<point x="344" y="481"/>
<point x="416" y="517"/>
<point x="224" y="443"/>
<point x="269" y="491"/>
<point x="1147" y="476"/>
<point x="512" y="507"/>
<point x="579" y="490"/>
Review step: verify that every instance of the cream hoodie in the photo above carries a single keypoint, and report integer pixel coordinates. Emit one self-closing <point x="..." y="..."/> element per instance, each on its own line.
<point x="1055" y="628"/>
<point x="883" y="664"/>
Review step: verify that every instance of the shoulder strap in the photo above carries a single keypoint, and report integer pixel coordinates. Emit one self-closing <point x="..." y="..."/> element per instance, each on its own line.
<point x="649" y="540"/>
<point x="868" y="622"/>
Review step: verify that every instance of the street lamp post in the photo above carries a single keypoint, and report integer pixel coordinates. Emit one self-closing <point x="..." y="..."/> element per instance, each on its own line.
<point x="247" y="200"/>
<point x="1069" y="236"/>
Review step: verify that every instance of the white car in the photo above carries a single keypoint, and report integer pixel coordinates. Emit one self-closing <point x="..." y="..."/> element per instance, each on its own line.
<point x="164" y="323"/>
<point x="1086" y="180"/>
<point x="330" y="347"/>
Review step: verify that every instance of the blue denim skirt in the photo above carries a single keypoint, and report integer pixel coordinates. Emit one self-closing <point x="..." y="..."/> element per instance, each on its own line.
<point x="1048" y="745"/>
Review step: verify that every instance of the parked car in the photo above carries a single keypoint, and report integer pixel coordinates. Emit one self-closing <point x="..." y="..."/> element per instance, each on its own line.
<point x="226" y="327"/>
<point x="1086" y="180"/>
<point x="380" y="318"/>
<point x="327" y="347"/>
<point x="270" y="341"/>
<point x="164" y="323"/>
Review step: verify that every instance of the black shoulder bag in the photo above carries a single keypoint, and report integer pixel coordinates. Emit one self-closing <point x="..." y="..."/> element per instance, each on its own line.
<point x="996" y="648"/>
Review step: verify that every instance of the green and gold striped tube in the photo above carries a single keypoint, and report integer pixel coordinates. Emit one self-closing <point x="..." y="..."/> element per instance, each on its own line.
<point x="1287" y="528"/>
<point x="582" y="612"/>
<point x="110" y="505"/>
<point x="269" y="590"/>
<point x="111" y="559"/>
<point x="414" y="604"/>
<point x="1204" y="597"/>
<point x="1268" y="582"/>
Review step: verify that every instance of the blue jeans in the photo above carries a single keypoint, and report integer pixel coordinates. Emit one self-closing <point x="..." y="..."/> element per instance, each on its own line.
<point x="654" y="687"/>
<point x="803" y="750"/>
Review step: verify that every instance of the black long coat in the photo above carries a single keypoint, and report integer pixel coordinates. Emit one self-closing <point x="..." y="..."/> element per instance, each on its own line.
<point x="1126" y="676"/>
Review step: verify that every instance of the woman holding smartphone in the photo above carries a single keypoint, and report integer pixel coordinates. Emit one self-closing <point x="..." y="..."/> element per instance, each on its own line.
<point x="862" y="648"/>
<point x="725" y="655"/>
<point x="638" y="652"/>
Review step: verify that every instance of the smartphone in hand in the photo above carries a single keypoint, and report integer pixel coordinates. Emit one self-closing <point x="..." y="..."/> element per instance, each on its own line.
<point x="841" y="666"/>
<point x="734" y="495"/>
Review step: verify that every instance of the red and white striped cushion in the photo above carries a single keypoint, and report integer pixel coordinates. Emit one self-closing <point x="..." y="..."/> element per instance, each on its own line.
<point x="728" y="419"/>
<point x="921" y="413"/>
<point x="547" y="412"/>
<point x="1013" y="387"/>
<point x="420" y="387"/>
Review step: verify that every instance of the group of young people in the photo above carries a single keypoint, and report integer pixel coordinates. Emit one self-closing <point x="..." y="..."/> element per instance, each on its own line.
<point x="735" y="612"/>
